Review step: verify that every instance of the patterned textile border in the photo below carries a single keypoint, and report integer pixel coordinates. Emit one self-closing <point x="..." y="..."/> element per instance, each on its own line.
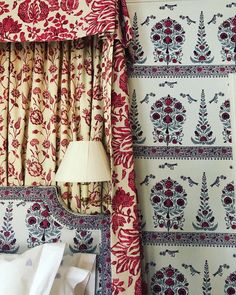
<point x="187" y="152"/>
<point x="189" y="239"/>
<point x="140" y="71"/>
<point x="49" y="195"/>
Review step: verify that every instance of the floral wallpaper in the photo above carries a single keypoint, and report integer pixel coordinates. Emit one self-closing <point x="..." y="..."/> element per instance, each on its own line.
<point x="183" y="52"/>
<point x="31" y="216"/>
<point x="43" y="110"/>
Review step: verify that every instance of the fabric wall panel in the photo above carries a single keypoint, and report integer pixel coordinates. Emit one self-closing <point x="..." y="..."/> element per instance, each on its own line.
<point x="184" y="52"/>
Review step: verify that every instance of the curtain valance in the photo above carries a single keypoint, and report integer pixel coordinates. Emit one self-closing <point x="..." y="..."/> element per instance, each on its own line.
<point x="58" y="20"/>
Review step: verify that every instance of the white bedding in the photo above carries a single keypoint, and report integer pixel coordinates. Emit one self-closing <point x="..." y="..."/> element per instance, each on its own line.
<point x="43" y="270"/>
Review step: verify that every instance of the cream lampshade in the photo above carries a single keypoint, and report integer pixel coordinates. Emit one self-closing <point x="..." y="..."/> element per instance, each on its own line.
<point x="84" y="161"/>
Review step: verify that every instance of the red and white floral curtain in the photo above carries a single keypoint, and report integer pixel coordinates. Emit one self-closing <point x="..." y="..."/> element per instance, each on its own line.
<point x="53" y="92"/>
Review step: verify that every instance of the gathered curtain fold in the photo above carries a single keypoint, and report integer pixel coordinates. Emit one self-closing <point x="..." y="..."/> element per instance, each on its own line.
<point x="55" y="92"/>
<point x="50" y="94"/>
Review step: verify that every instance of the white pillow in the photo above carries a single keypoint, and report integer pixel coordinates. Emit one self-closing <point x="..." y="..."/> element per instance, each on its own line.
<point x="76" y="275"/>
<point x="66" y="280"/>
<point x="86" y="261"/>
<point x="30" y="273"/>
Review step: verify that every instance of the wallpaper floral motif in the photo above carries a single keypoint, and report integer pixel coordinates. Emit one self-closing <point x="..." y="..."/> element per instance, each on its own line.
<point x="181" y="124"/>
<point x="33" y="216"/>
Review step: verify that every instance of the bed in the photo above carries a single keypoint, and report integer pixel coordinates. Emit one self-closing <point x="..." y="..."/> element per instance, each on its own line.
<point x="31" y="216"/>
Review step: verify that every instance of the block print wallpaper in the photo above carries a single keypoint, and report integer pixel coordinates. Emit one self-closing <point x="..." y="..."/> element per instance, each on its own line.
<point x="181" y="121"/>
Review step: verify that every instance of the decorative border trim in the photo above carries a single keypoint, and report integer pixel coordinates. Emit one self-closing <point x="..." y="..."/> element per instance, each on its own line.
<point x="188" y="71"/>
<point x="185" y="153"/>
<point x="49" y="195"/>
<point x="189" y="239"/>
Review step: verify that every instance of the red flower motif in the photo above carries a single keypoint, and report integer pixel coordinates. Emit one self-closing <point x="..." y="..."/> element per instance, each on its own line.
<point x="5" y="247"/>
<point x="34" y="168"/>
<point x="37" y="90"/>
<point x="127" y="251"/>
<point x="7" y="233"/>
<point x="79" y="91"/>
<point x="38" y="66"/>
<point x="102" y="17"/>
<point x="53" y="69"/>
<point x="65" y="142"/>
<point x="35" y="206"/>
<point x="69" y="5"/>
<point x="121" y="200"/>
<point x="87" y="66"/>
<point x="26" y="68"/>
<point x="9" y="26"/>
<point x="64" y="117"/>
<point x="95" y="198"/>
<point x="15" y="143"/>
<point x="11" y="170"/>
<point x="118" y="101"/>
<point x="32" y="220"/>
<point x="96" y="92"/>
<point x="46" y="144"/>
<point x="45" y="213"/>
<point x="98" y="118"/>
<point x="36" y="117"/>
<point x="117" y="221"/>
<point x="34" y="142"/>
<point x="31" y="11"/>
<point x="122" y="147"/>
<point x="44" y="224"/>
<point x="66" y="196"/>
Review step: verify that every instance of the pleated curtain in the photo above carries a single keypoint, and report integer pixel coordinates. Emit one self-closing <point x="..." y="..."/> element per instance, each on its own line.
<point x="58" y="90"/>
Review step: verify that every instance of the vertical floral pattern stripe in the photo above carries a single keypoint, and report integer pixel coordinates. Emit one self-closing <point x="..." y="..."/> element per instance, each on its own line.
<point x="125" y="238"/>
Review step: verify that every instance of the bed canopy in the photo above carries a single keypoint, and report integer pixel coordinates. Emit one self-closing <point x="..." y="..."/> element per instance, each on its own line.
<point x="59" y="20"/>
<point x="36" y="118"/>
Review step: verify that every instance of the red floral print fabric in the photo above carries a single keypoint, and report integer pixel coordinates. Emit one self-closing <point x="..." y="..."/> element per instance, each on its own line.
<point x="59" y="20"/>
